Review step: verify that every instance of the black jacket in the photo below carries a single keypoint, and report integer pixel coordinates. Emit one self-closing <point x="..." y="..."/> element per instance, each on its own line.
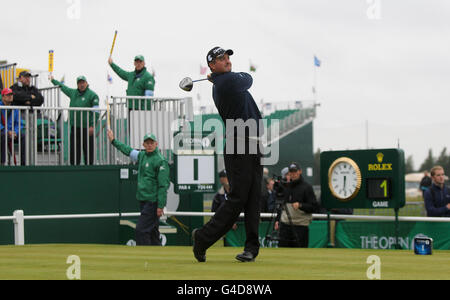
<point x="23" y="94"/>
<point x="436" y="200"/>
<point x="302" y="192"/>
<point x="232" y="99"/>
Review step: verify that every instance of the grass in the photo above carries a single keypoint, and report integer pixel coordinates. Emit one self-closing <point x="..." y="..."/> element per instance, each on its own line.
<point x="178" y="263"/>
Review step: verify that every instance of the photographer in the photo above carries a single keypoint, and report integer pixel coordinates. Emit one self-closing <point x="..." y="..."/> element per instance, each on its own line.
<point x="296" y="213"/>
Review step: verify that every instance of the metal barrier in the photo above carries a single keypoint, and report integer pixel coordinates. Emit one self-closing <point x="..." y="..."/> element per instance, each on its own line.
<point x="52" y="135"/>
<point x="52" y="96"/>
<point x="133" y="117"/>
<point x="42" y="136"/>
<point x="19" y="218"/>
<point x="34" y="80"/>
<point x="8" y="73"/>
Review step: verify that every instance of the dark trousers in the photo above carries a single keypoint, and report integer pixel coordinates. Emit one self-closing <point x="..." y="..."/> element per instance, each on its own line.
<point x="6" y="143"/>
<point x="75" y="146"/>
<point x="147" y="227"/>
<point x="293" y="236"/>
<point x="244" y="173"/>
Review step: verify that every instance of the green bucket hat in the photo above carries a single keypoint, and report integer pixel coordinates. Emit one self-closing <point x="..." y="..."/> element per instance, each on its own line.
<point x="150" y="136"/>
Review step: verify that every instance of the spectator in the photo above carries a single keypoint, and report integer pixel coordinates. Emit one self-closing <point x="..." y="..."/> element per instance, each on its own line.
<point x="24" y="93"/>
<point x="82" y="123"/>
<point x="437" y="197"/>
<point x="9" y="129"/>
<point x="425" y="183"/>
<point x="153" y="182"/>
<point x="285" y="174"/>
<point x="268" y="197"/>
<point x="140" y="81"/>
<point x="222" y="194"/>
<point x="296" y="215"/>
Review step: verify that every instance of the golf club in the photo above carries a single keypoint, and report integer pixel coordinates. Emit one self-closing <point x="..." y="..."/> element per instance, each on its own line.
<point x="187" y="83"/>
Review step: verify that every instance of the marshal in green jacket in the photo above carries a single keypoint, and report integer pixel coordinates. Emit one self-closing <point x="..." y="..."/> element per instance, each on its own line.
<point x="88" y="98"/>
<point x="153" y="174"/>
<point x="138" y="83"/>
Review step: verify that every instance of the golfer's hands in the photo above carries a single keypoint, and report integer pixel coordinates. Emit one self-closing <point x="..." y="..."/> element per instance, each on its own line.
<point x="160" y="212"/>
<point x="50" y="77"/>
<point x="110" y="135"/>
<point x="110" y="61"/>
<point x="276" y="226"/>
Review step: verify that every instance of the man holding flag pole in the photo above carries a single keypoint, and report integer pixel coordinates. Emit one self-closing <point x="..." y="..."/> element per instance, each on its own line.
<point x="140" y="81"/>
<point x="82" y="123"/>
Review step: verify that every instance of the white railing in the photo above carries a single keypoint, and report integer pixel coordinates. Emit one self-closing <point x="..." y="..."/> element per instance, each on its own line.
<point x="132" y="117"/>
<point x="52" y="96"/>
<point x="19" y="218"/>
<point x="54" y="135"/>
<point x="41" y="136"/>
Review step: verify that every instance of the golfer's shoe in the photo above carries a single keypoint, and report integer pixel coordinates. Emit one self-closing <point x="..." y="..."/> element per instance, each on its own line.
<point x="245" y="257"/>
<point x="199" y="253"/>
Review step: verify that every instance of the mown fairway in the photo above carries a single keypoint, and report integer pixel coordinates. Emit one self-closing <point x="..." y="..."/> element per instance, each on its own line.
<point x="178" y="263"/>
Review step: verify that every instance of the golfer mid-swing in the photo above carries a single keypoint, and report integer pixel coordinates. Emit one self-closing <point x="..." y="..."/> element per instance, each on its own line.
<point x="153" y="182"/>
<point x="244" y="170"/>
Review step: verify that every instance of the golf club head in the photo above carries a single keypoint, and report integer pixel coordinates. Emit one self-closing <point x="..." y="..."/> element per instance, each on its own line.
<point x="186" y="84"/>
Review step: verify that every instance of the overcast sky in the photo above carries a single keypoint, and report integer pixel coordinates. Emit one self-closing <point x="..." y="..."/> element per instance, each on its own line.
<point x="383" y="62"/>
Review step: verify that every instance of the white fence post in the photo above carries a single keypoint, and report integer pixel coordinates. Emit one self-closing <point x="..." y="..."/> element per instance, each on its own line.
<point x="19" y="232"/>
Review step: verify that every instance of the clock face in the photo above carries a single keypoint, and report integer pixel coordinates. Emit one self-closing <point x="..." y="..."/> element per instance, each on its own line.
<point x="344" y="179"/>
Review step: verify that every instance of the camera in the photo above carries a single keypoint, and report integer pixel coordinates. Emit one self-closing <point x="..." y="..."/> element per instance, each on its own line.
<point x="279" y="187"/>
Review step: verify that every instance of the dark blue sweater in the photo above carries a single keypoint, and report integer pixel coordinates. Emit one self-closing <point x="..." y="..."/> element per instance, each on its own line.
<point x="232" y="99"/>
<point x="436" y="206"/>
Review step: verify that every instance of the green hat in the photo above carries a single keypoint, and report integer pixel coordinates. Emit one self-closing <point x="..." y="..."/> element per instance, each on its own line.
<point x="150" y="136"/>
<point x="139" y="57"/>
<point x="81" y="78"/>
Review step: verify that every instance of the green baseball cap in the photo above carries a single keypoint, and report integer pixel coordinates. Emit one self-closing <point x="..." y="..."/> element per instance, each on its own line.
<point x="139" y="57"/>
<point x="81" y="78"/>
<point x="150" y="136"/>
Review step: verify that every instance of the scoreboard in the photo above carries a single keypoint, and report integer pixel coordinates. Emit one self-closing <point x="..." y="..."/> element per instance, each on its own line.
<point x="195" y="162"/>
<point x="363" y="178"/>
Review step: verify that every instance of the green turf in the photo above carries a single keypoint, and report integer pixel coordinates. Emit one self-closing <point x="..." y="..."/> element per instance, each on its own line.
<point x="123" y="262"/>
